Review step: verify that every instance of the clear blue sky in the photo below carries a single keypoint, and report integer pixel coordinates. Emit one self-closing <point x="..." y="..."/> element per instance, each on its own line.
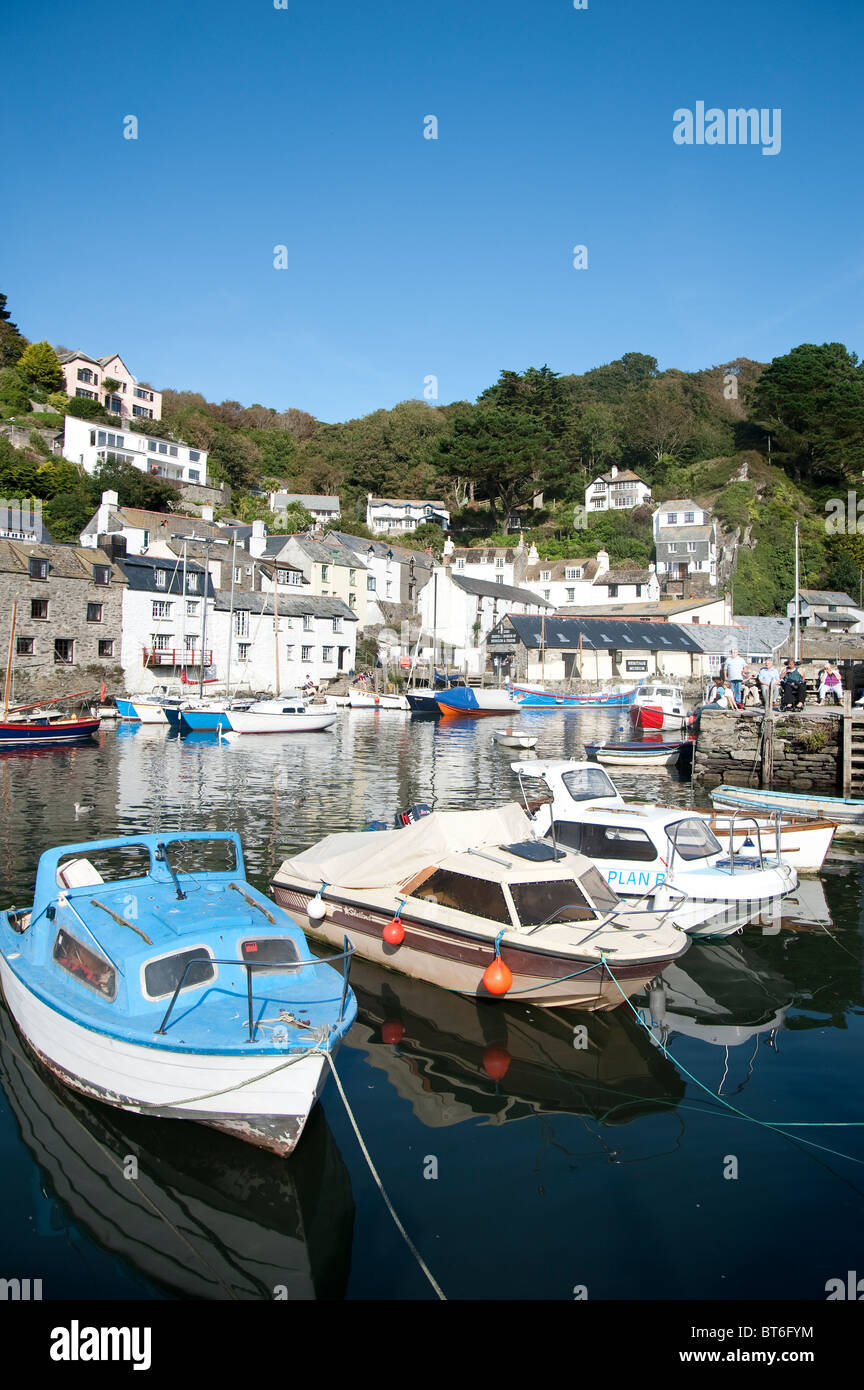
<point x="409" y="257"/>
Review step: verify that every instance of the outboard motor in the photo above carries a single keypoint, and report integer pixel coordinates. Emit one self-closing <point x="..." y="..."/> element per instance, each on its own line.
<point x="415" y="812"/>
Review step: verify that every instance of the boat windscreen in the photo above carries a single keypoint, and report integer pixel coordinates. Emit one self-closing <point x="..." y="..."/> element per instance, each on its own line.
<point x="587" y="783"/>
<point x="693" y="838"/>
<point x="478" y="896"/>
<point x="123" y="861"/>
<point x="558" y="899"/>
<point x="201" y="856"/>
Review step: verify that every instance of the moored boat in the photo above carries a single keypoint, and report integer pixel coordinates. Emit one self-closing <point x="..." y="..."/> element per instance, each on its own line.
<point x="281" y="717"/>
<point x="173" y="987"/>
<point x="536" y="697"/>
<point x="370" y="699"/>
<point x="644" y="755"/>
<point x="846" y="812"/>
<point x="47" y="731"/>
<point x="464" y="699"/>
<point x="458" y="892"/>
<point x="658" y="706"/>
<point x="516" y="738"/>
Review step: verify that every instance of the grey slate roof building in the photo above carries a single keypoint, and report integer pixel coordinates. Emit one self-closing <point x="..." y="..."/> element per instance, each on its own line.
<point x="596" y="634"/>
<point x="290" y="605"/>
<point x="753" y="637"/>
<point x="328" y="551"/>
<point x="141" y="570"/>
<point x="482" y="588"/>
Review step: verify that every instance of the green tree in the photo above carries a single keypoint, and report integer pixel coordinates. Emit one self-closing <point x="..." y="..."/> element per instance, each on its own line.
<point x="812" y="401"/>
<point x="41" y="366"/>
<point x="133" y="488"/>
<point x="506" y="457"/>
<point x="14" y="392"/>
<point x="85" y="409"/>
<point x="12" y="343"/>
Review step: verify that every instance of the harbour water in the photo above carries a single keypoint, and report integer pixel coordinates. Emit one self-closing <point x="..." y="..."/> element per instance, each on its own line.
<point x="530" y="1154"/>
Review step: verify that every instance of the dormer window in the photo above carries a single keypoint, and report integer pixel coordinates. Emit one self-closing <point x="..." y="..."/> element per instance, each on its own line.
<point x="192" y="585"/>
<point x="37" y="568"/>
<point x="160" y="578"/>
<point x="101" y="574"/>
<point x="545" y="576"/>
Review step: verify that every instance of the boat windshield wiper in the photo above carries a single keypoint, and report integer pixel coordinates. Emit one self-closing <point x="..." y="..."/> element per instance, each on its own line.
<point x="162" y="856"/>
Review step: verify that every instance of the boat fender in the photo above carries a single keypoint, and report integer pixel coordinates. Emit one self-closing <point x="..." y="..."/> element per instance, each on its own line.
<point x="496" y="1062"/>
<point x="316" y="910"/>
<point x="394" y="932"/>
<point x="392" y="1032"/>
<point x="497" y="977"/>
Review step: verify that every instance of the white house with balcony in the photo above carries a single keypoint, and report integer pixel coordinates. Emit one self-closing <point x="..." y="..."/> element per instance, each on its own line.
<point x="90" y="443"/>
<point x="403" y="514"/>
<point x="163" y="621"/>
<point x="127" y="397"/>
<point x="617" y="490"/>
<point x="310" y="636"/>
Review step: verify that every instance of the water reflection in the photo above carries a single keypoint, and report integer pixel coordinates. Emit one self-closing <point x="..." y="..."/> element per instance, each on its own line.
<point x="198" y="1213"/>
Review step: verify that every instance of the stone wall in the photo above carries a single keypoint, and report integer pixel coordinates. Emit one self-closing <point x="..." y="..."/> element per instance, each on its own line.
<point x="36" y="674"/>
<point x="807" y="750"/>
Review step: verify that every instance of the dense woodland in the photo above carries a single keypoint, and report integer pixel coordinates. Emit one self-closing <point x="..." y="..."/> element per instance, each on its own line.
<point x="761" y="445"/>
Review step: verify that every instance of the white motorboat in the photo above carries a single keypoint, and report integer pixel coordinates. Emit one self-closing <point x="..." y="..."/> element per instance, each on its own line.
<point x="804" y="842"/>
<point x="280" y="717"/>
<point x="666" y="855"/>
<point x="475" y="902"/>
<point x="659" y="705"/>
<point x="369" y="699"/>
<point x="516" y="738"/>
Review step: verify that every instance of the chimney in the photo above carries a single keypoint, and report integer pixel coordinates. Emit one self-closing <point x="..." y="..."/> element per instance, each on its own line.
<point x="110" y="499"/>
<point x="449" y="547"/>
<point x="533" y="555"/>
<point x="113" y="545"/>
<point x="614" y="470"/>
<point x="258" y="539"/>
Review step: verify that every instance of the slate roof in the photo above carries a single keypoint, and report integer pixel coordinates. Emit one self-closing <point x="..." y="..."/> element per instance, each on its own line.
<point x="484" y="555"/>
<point x="556" y="570"/>
<point x="406" y="502"/>
<point x="329" y="551"/>
<point x="684" y="533"/>
<point x="826" y="596"/>
<point x="680" y="504"/>
<point x="64" y="561"/>
<point x="624" y="475"/>
<point x="140" y="571"/>
<point x="757" y="636"/>
<point x="624" y="575"/>
<point x="380" y="549"/>
<point x="310" y="500"/>
<point x="600" y="634"/>
<point x="482" y="588"/>
<point x="178" y="523"/>
<point x="290" y="605"/>
<point x="658" y="610"/>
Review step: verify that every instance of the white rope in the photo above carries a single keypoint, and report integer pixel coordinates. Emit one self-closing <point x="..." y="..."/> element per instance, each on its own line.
<point x="226" y="1090"/>
<point x="373" y="1170"/>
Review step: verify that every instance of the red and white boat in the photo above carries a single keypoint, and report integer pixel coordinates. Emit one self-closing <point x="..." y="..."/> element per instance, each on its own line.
<point x="658" y="706"/>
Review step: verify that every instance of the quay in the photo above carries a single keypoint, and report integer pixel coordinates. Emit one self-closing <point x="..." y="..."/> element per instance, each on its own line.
<point x="817" y="748"/>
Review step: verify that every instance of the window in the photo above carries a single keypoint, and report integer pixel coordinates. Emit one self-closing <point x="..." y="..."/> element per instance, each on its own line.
<point x="152" y="446"/>
<point x="172" y="450"/>
<point x="691" y="545"/>
<point x="24" y="646"/>
<point x="270" y="954"/>
<point x="308" y="622"/>
<point x="547" y="593"/>
<point x="194" y="456"/>
<point x="161" y="641"/>
<point x="191" y="609"/>
<point x="571" y="595"/>
<point x="101" y="574"/>
<point x="545" y="576"/>
<point x="243" y="651"/>
<point x="39" y="610"/>
<point x="562" y="899"/>
<point x="238" y="573"/>
<point x="638" y="590"/>
<point x="606" y="841"/>
<point x="64" y="651"/>
<point x="693" y="839"/>
<point x="142" y="394"/>
<point x="587" y="784"/>
<point x="305" y="653"/>
<point x="37" y="569"/>
<point x="460" y="563"/>
<point x="162" y="976"/>
<point x="193" y="585"/>
<point x="499" y="562"/>
<point x="85" y="374"/>
<point x="673" y="545"/>
<point x="337" y="624"/>
<point x="241" y="622"/>
<point x="326" y="653"/>
<point x="352" y="576"/>
<point x="106" y="647"/>
<point x="113" y="404"/>
<point x="94" y="612"/>
<point x="88" y="969"/>
<point x="163" y="448"/>
<point x="194" y="475"/>
<point x="613" y="590"/>
<point x="289" y="652"/>
<point x="325" y="574"/>
<point x="160" y="578"/>
<point x="91" y="395"/>
<point x="474" y="895"/>
<point x="161" y="609"/>
<point x="671" y="518"/>
<point x="191" y="639"/>
<point x="370" y="584"/>
<point x="499" y="579"/>
<point x="352" y="600"/>
<point x="597" y="504"/>
<point x="571" y="573"/>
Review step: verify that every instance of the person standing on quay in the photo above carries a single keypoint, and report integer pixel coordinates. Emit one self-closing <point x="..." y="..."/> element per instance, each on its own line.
<point x="734" y="673"/>
<point x="768" y="678"/>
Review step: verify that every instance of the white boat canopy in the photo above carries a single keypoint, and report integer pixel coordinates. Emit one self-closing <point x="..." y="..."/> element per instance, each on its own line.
<point x="379" y="858"/>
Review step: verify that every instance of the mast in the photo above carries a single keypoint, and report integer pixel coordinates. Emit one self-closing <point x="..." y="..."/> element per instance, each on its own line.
<point x="9" y="662"/>
<point x="231" y="619"/>
<point x="204" y="624"/>
<point x="276" y="628"/>
<point x="183" y="602"/>
<point x="798" y="598"/>
<point x="542" y="647"/>
<point x="580" y="662"/>
<point x="434" y="625"/>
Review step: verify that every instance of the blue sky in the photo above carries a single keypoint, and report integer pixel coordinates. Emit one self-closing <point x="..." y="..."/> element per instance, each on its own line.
<point x="410" y="257"/>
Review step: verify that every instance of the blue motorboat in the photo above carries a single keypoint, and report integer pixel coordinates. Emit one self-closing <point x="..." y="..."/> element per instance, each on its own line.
<point x="149" y="974"/>
<point x="204" y="719"/>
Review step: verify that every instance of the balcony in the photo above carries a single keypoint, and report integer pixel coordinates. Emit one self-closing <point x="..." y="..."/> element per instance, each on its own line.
<point x="176" y="656"/>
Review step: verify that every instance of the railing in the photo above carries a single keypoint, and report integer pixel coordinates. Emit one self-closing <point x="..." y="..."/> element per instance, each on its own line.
<point x="176" y="656"/>
<point x="293" y="965"/>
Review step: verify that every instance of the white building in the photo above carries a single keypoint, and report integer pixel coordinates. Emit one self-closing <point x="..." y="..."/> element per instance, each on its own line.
<point x="142" y="529"/>
<point x="315" y="637"/>
<point x="394" y="577"/>
<point x="320" y="507"/>
<point x="163" y="624"/>
<point x="562" y="582"/>
<point x="685" y="540"/>
<point x="90" y="443"/>
<point x="461" y="612"/>
<point x="401" y="514"/>
<point x="617" y="490"/>
<point x="827" y="608"/>
<point x="494" y="564"/>
<point x="627" y="583"/>
<point x="86" y="376"/>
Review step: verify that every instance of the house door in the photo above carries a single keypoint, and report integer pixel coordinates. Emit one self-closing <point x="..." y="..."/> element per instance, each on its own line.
<point x="342" y="651"/>
<point x="571" y="666"/>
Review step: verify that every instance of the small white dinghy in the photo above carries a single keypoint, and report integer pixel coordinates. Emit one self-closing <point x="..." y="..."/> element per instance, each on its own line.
<point x="369" y="699"/>
<point x="281" y="717"/>
<point x="516" y="738"/>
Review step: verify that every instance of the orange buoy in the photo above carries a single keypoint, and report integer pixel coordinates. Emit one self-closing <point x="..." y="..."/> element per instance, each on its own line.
<point x="496" y="1061"/>
<point x="497" y="977"/>
<point x="394" y="932"/>
<point x="392" y="1032"/>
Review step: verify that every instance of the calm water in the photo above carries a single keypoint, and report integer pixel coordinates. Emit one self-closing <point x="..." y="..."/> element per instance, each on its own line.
<point x="556" y="1166"/>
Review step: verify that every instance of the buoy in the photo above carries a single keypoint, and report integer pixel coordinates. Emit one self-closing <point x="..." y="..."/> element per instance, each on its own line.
<point x="317" y="909"/>
<point x="394" y="932"/>
<point x="496" y="1061"/>
<point x="497" y="977"/>
<point x="392" y="1032"/>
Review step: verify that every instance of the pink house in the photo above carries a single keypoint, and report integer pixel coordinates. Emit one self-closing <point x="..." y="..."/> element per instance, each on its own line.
<point x="86" y="376"/>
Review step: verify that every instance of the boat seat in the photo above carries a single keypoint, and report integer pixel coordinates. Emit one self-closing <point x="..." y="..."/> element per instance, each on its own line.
<point x="78" y="873"/>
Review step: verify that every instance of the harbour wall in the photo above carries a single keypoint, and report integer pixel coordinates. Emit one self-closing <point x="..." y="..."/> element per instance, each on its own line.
<point x="743" y="748"/>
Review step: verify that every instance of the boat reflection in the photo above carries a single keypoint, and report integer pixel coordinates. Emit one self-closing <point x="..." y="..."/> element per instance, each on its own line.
<point x="455" y="1059"/>
<point x="720" y="993"/>
<point x="205" y="1217"/>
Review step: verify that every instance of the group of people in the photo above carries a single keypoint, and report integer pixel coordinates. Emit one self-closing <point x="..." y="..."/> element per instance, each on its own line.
<point x="742" y="688"/>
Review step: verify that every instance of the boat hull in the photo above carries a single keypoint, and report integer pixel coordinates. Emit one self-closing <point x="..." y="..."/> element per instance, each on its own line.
<point x="803" y="845"/>
<point x="655" y="717"/>
<point x="847" y="813"/>
<point x="21" y="734"/>
<point x="464" y="700"/>
<point x="455" y="961"/>
<point x="205" y="720"/>
<point x="367" y="699"/>
<point x="249" y="722"/>
<point x="145" y="711"/>
<point x="267" y="1111"/>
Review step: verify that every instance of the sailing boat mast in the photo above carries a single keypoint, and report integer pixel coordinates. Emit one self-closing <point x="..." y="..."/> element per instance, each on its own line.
<point x="9" y="662"/>
<point x="276" y="628"/>
<point x="231" y="618"/>
<point x="542" y="648"/>
<point x="797" y="598"/>
<point x="580" y="662"/>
